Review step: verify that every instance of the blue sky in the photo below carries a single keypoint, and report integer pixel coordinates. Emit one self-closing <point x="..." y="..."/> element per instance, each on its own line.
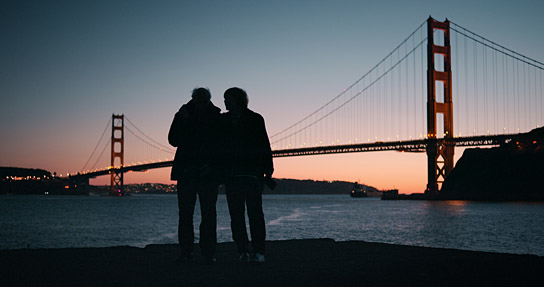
<point x="66" y="66"/>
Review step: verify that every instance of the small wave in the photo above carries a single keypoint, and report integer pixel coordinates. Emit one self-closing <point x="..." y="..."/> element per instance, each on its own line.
<point x="291" y="217"/>
<point x="156" y="239"/>
<point x="325" y="206"/>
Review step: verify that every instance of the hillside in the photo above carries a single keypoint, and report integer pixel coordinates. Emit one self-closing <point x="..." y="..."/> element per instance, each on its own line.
<point x="512" y="171"/>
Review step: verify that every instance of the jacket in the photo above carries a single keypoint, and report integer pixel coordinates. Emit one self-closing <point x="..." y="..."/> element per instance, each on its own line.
<point x="196" y="137"/>
<point x="247" y="147"/>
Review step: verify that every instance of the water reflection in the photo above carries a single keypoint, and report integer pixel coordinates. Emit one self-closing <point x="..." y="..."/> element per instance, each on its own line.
<point x="101" y="221"/>
<point x="453" y="207"/>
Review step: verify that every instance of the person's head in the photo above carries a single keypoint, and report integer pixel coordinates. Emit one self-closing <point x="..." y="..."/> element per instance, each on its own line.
<point x="201" y="96"/>
<point x="235" y="99"/>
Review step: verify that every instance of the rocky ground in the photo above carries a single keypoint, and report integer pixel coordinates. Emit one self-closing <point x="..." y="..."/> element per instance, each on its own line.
<point x="319" y="262"/>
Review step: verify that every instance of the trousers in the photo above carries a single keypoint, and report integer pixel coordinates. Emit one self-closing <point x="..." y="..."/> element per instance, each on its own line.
<point x="207" y="197"/>
<point x="247" y="192"/>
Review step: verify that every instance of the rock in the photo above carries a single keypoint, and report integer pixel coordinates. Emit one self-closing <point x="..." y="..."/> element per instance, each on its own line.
<point x="513" y="171"/>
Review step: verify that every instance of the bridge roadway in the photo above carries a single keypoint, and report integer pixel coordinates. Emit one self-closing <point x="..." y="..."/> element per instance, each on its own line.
<point x="402" y="146"/>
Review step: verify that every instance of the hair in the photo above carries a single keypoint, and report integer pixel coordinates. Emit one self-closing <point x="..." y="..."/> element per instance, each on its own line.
<point x="201" y="93"/>
<point x="238" y="95"/>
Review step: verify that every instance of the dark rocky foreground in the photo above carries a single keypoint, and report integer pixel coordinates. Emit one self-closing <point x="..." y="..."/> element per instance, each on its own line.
<point x="320" y="262"/>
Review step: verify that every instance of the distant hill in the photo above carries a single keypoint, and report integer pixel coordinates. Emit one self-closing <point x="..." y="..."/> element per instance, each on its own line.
<point x="285" y="186"/>
<point x="16" y="180"/>
<point x="295" y="186"/>
<point x="22" y="172"/>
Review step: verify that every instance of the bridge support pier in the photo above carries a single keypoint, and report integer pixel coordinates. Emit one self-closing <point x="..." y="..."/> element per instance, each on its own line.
<point x="117" y="152"/>
<point x="439" y="153"/>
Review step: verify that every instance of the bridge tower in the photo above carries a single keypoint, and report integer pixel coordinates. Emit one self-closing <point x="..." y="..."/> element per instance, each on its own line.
<point x="117" y="152"/>
<point x="439" y="152"/>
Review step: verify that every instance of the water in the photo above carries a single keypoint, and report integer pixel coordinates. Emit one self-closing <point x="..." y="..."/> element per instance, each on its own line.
<point x="93" y="221"/>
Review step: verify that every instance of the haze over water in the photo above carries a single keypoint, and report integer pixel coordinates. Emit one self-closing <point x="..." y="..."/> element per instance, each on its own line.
<point x="139" y="220"/>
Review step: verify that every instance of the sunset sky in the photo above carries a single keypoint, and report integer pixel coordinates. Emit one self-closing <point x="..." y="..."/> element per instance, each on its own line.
<point x="67" y="66"/>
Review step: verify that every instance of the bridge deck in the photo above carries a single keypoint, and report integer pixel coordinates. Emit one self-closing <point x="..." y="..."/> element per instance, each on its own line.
<point x="403" y="146"/>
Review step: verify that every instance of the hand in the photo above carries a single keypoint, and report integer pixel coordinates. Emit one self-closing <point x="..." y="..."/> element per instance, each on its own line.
<point x="268" y="181"/>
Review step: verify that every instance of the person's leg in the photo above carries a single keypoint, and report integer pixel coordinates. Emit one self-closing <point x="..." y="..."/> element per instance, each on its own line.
<point x="254" y="191"/>
<point x="186" y="204"/>
<point x="208" y="226"/>
<point x="236" y="203"/>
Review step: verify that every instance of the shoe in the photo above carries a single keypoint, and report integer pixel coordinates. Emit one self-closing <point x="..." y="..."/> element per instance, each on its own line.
<point x="244" y="257"/>
<point x="257" y="258"/>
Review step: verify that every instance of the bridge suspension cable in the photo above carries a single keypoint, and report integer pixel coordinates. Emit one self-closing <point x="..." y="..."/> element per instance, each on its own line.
<point x="351" y="86"/>
<point x="492" y="45"/>
<point x="148" y="137"/>
<point x="97" y="144"/>
<point x="501" y="89"/>
<point x="141" y="148"/>
<point x="356" y="95"/>
<point x="161" y="148"/>
<point x="101" y="153"/>
<point x="382" y="96"/>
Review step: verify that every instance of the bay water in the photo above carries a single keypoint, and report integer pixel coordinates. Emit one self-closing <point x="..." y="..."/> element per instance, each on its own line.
<point x="100" y="221"/>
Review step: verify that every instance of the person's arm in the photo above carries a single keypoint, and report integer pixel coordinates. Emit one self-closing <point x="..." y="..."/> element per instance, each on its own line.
<point x="267" y="162"/>
<point x="266" y="156"/>
<point x="178" y="127"/>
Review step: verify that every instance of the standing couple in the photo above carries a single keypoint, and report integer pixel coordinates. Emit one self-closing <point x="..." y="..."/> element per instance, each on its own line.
<point x="212" y="149"/>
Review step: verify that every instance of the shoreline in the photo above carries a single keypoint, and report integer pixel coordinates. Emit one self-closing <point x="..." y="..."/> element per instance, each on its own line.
<point x="304" y="262"/>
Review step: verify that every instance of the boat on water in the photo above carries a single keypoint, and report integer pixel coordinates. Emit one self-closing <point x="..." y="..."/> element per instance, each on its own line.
<point x="358" y="190"/>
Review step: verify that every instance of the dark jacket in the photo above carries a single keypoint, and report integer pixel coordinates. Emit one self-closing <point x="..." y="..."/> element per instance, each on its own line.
<point x="246" y="148"/>
<point x="197" y="140"/>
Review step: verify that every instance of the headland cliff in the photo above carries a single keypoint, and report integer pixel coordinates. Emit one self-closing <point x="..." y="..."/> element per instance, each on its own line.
<point x="512" y="171"/>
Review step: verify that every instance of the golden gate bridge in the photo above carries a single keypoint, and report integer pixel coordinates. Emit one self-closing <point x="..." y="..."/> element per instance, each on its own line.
<point x="498" y="96"/>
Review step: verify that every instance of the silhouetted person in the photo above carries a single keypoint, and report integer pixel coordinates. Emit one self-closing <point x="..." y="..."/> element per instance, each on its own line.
<point x="194" y="131"/>
<point x="248" y="161"/>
